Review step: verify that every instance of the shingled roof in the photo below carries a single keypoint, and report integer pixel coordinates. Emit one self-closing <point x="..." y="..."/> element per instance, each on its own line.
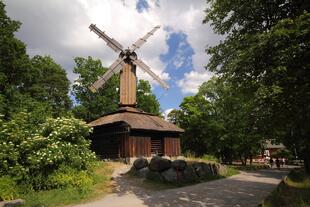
<point x="136" y="119"/>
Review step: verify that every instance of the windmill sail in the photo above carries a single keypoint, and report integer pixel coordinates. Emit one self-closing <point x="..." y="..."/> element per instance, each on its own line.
<point x="112" y="43"/>
<point x="142" y="40"/>
<point x="113" y="69"/>
<point x="147" y="69"/>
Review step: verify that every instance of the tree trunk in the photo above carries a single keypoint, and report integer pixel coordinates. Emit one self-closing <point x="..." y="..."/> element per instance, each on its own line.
<point x="251" y="159"/>
<point x="307" y="159"/>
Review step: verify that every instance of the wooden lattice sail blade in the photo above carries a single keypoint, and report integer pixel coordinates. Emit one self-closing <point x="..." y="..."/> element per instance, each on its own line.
<point x="147" y="69"/>
<point x="112" y="43"/>
<point x="113" y="69"/>
<point x="142" y="40"/>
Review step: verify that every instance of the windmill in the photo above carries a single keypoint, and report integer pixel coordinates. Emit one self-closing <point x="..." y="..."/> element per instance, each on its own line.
<point x="125" y="64"/>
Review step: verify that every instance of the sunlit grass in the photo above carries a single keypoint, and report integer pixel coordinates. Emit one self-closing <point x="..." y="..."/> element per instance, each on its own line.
<point x="61" y="197"/>
<point x="294" y="191"/>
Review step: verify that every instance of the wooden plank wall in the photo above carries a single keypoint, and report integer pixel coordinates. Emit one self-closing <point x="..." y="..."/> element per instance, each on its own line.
<point x="172" y="146"/>
<point x="128" y="85"/>
<point x="139" y="146"/>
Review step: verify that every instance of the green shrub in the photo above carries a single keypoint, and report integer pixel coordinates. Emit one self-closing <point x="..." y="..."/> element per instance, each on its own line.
<point x="31" y="153"/>
<point x="8" y="190"/>
<point x="70" y="178"/>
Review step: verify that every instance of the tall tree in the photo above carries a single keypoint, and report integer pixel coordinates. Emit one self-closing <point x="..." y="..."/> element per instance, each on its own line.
<point x="91" y="105"/>
<point x="50" y="84"/>
<point x="266" y="52"/>
<point x="146" y="100"/>
<point x="15" y="69"/>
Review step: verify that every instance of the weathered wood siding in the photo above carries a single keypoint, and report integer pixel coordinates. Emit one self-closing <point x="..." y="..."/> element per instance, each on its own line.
<point x="139" y="146"/>
<point x="128" y="84"/>
<point x="172" y="146"/>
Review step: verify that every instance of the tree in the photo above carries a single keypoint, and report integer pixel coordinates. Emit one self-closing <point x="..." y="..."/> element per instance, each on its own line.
<point x="146" y="100"/>
<point x="50" y="84"/>
<point x="14" y="62"/>
<point x="266" y="53"/>
<point x="93" y="105"/>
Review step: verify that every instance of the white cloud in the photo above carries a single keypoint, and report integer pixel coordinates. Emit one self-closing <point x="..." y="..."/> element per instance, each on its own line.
<point x="166" y="112"/>
<point x="192" y="80"/>
<point x="60" y="29"/>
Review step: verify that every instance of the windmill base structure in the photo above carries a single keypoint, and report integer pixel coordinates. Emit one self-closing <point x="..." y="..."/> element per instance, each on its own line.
<point x="130" y="132"/>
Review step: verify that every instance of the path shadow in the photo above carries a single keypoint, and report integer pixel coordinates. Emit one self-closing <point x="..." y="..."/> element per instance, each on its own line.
<point x="246" y="189"/>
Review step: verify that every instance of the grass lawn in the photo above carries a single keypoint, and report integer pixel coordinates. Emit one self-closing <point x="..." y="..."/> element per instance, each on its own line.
<point x="294" y="191"/>
<point x="61" y="197"/>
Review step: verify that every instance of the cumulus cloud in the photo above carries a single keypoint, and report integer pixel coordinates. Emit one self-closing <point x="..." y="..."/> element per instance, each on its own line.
<point x="192" y="80"/>
<point x="166" y="112"/>
<point x="60" y="29"/>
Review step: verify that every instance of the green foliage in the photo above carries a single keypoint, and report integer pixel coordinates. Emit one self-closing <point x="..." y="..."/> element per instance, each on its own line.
<point x="221" y="121"/>
<point x="7" y="189"/>
<point x="265" y="53"/>
<point x="66" y="177"/>
<point x="293" y="191"/>
<point x="93" y="105"/>
<point x="73" y="195"/>
<point x="26" y="83"/>
<point x="146" y="99"/>
<point x="30" y="153"/>
<point x="50" y="85"/>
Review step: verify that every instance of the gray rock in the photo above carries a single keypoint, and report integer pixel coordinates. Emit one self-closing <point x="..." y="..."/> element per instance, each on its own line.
<point x="142" y="172"/>
<point x="140" y="163"/>
<point x="172" y="176"/>
<point x="12" y="203"/>
<point x="179" y="164"/>
<point x="189" y="175"/>
<point x="154" y="176"/>
<point x="159" y="164"/>
<point x="202" y="169"/>
<point x="219" y="169"/>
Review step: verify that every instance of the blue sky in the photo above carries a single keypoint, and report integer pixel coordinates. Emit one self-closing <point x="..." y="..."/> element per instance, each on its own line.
<point x="176" y="52"/>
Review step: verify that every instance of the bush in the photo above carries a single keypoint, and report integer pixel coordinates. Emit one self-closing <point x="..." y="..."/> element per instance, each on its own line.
<point x="31" y="153"/>
<point x="70" y="178"/>
<point x="8" y="189"/>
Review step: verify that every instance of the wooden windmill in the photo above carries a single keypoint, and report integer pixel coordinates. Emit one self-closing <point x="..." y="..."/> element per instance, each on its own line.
<point x="125" y="64"/>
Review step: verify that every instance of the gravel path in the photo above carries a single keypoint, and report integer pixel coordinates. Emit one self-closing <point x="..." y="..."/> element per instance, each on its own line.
<point x="245" y="189"/>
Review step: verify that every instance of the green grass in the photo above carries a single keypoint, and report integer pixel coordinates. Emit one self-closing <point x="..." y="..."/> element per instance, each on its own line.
<point x="294" y="191"/>
<point x="252" y="167"/>
<point x="61" y="197"/>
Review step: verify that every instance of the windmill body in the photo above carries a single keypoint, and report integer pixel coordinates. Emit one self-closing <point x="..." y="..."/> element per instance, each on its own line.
<point x="126" y="66"/>
<point x="130" y="132"/>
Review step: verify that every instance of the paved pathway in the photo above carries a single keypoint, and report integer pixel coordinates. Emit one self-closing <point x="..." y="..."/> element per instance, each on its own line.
<point x="243" y="190"/>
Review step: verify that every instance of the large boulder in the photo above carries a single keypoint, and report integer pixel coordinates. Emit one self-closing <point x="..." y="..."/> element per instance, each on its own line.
<point x="219" y="169"/>
<point x="202" y="169"/>
<point x="154" y="176"/>
<point x="142" y="172"/>
<point x="189" y="175"/>
<point x="179" y="164"/>
<point x="159" y="164"/>
<point x="140" y="163"/>
<point x="171" y="175"/>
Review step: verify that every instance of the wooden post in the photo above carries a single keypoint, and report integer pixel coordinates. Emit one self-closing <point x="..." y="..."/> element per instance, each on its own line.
<point x="128" y="85"/>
